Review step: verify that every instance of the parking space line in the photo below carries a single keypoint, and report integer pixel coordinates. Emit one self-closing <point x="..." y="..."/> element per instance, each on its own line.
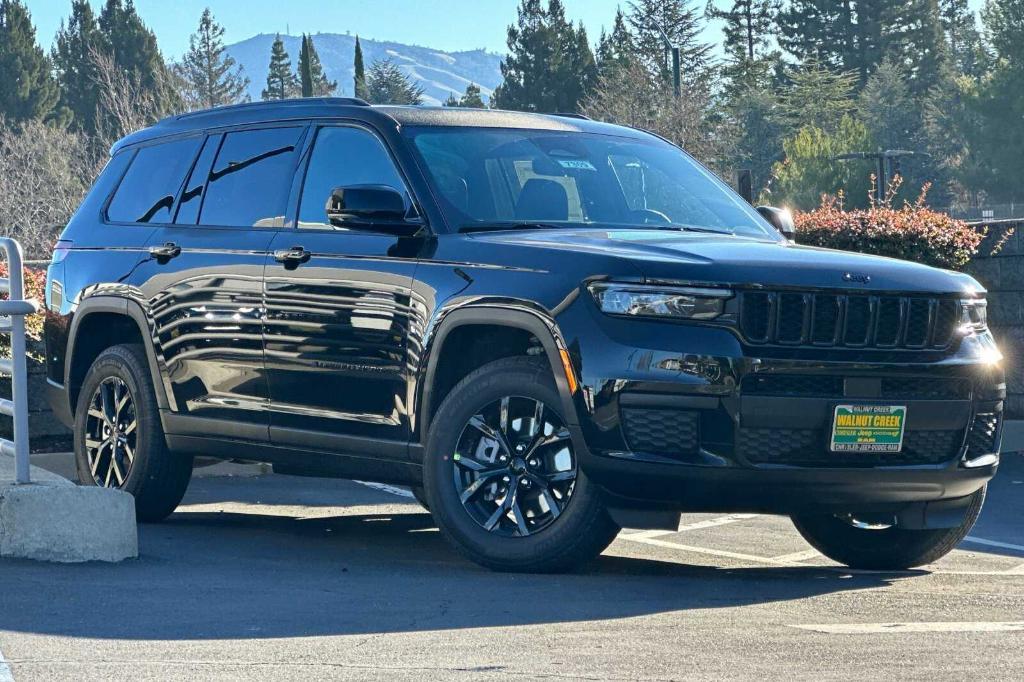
<point x="383" y="487"/>
<point x="896" y="628"/>
<point x="798" y="556"/>
<point x="1015" y="571"/>
<point x="5" y="670"/>
<point x="710" y="552"/>
<point x="697" y="525"/>
<point x="993" y="543"/>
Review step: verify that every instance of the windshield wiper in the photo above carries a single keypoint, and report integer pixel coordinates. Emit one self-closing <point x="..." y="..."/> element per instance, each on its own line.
<point x="510" y="225"/>
<point x="694" y="228"/>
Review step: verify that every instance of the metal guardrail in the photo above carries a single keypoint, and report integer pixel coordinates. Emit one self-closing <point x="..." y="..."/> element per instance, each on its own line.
<point x="16" y="308"/>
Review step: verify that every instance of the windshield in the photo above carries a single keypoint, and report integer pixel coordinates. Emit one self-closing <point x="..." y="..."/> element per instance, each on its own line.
<point x="492" y="178"/>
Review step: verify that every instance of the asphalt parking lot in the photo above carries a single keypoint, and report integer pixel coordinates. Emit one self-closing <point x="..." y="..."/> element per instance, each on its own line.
<point x="275" y="577"/>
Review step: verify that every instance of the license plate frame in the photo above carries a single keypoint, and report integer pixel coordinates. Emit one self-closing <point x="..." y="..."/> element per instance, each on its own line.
<point x="868" y="428"/>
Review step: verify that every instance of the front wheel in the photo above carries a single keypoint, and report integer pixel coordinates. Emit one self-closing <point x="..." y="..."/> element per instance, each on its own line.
<point x="883" y="547"/>
<point x="502" y="476"/>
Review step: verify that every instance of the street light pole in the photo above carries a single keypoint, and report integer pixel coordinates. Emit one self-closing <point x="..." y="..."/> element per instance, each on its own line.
<point x="677" y="81"/>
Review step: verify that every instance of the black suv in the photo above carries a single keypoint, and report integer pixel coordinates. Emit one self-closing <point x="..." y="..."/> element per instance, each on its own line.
<point x="548" y="327"/>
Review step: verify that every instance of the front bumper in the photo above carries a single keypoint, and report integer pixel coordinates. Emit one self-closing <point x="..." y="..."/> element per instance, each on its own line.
<point x="686" y="417"/>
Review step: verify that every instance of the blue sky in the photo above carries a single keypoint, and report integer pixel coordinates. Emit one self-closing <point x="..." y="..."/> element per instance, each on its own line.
<point x="448" y="25"/>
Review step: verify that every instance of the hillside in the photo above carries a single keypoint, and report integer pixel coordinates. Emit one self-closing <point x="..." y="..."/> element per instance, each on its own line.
<point x="439" y="73"/>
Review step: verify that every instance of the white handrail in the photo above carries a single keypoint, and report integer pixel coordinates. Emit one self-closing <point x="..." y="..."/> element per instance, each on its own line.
<point x="16" y="307"/>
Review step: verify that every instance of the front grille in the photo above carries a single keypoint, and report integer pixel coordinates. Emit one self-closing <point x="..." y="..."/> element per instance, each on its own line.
<point x="851" y="321"/>
<point x="831" y="386"/>
<point x="982" y="438"/>
<point x="665" y="432"/>
<point x="809" y="447"/>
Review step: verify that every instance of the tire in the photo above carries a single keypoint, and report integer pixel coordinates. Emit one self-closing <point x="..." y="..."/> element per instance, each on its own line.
<point x="421" y="496"/>
<point x="569" y="527"/>
<point x="887" y="549"/>
<point x="139" y="461"/>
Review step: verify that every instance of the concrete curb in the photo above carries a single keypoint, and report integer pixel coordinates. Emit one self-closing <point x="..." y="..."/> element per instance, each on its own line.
<point x="67" y="523"/>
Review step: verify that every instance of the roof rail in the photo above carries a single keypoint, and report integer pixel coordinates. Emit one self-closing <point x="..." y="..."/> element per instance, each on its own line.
<point x="293" y="102"/>
<point x="561" y="114"/>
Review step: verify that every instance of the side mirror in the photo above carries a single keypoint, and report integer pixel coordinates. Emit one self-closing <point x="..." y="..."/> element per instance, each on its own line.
<point x="781" y="219"/>
<point x="377" y="208"/>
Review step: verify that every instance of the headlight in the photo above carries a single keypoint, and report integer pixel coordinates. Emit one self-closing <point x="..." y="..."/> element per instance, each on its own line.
<point x="973" y="315"/>
<point x="645" y="301"/>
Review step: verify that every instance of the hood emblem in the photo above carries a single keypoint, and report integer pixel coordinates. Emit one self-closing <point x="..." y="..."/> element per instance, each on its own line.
<point x="856" y="277"/>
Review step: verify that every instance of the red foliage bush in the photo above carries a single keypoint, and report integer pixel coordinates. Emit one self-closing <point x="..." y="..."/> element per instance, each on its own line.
<point x="914" y="232"/>
<point x="35" y="287"/>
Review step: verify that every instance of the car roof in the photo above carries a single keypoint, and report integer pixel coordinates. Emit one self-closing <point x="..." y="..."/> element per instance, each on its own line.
<point x="350" y="107"/>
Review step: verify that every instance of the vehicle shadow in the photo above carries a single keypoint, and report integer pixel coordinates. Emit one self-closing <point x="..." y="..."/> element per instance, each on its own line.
<point x="206" y="575"/>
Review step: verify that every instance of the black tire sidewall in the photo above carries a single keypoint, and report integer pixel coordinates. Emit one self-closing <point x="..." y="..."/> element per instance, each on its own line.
<point x="513" y="377"/>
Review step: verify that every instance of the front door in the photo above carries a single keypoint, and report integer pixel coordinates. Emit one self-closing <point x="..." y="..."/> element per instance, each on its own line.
<point x="337" y="312"/>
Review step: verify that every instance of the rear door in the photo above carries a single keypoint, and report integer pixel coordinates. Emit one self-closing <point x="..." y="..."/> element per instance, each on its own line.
<point x="204" y="280"/>
<point x="337" y="323"/>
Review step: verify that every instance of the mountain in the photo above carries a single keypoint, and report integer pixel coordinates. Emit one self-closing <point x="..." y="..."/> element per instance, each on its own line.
<point x="439" y="73"/>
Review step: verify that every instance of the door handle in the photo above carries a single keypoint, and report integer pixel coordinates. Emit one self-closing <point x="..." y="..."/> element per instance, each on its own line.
<point x="292" y="257"/>
<point x="166" y="252"/>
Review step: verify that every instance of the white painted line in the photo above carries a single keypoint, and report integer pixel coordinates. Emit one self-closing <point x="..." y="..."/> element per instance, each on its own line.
<point x="1015" y="571"/>
<point x="798" y="556"/>
<point x="897" y="628"/>
<point x="703" y="550"/>
<point x="5" y="670"/>
<point x="993" y="543"/>
<point x="401" y="492"/>
<point x="697" y="525"/>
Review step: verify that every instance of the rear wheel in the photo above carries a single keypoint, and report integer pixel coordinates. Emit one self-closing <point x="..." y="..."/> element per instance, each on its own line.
<point x="502" y="478"/>
<point x="881" y="546"/>
<point x="119" y="441"/>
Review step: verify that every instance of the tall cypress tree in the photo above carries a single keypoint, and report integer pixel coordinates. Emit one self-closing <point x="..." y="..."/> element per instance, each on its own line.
<point x="76" y="71"/>
<point x="29" y="90"/>
<point x="682" y="23"/>
<point x="211" y="78"/>
<point x="614" y="49"/>
<point x="359" y="83"/>
<point x="131" y="44"/>
<point x="312" y="79"/>
<point x="281" y="82"/>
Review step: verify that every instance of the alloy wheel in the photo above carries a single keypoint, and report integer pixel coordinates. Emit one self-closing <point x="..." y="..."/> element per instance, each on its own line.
<point x="514" y="466"/>
<point x="111" y="433"/>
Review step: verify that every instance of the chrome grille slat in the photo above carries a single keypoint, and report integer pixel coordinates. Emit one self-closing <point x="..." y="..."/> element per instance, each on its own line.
<point x="827" y="320"/>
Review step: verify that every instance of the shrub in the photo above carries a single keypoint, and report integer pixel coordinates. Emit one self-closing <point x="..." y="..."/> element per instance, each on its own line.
<point x="913" y="232"/>
<point x="35" y="287"/>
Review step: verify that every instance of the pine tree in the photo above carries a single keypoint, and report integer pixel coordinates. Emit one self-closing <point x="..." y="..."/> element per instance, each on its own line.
<point x="614" y="49"/>
<point x="360" y="73"/>
<point x="281" y="82"/>
<point x="29" y="92"/>
<point x="888" y="109"/>
<point x="76" y="73"/>
<point x="682" y="23"/>
<point x="386" y="84"/>
<point x="748" y="26"/>
<point x="131" y="44"/>
<point x="311" y="72"/>
<point x="818" y="97"/>
<point x="550" y="66"/>
<point x="470" y="99"/>
<point x="966" y="47"/>
<point x="210" y="77"/>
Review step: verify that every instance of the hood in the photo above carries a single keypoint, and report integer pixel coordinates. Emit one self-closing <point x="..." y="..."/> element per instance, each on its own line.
<point x="663" y="255"/>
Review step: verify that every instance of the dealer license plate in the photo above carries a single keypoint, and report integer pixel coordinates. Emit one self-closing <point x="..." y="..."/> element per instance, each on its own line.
<point x="868" y="428"/>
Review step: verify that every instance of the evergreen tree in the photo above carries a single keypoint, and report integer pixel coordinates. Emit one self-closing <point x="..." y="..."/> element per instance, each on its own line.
<point x="888" y="109"/>
<point x="386" y="84"/>
<point x="132" y="45"/>
<point x="360" y="73"/>
<point x="966" y="47"/>
<point x="210" y="77"/>
<point x="682" y="23"/>
<point x="470" y="99"/>
<point x="29" y="91"/>
<point x="73" y="61"/>
<point x="817" y="97"/>
<point x="748" y="26"/>
<point x="313" y="81"/>
<point x="614" y="49"/>
<point x="550" y="66"/>
<point x="281" y="82"/>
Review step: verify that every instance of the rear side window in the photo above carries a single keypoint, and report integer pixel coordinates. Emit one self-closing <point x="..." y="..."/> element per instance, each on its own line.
<point x="147" y="192"/>
<point x="192" y="197"/>
<point x="249" y="182"/>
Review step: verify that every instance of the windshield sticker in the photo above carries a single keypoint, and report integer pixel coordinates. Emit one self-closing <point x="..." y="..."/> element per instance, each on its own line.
<point x="576" y="164"/>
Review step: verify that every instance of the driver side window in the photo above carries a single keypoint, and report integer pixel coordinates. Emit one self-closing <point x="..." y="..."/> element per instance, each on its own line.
<point x="343" y="157"/>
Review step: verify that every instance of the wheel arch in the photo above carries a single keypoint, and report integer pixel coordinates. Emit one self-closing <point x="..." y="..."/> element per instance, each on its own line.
<point x="527" y="320"/>
<point x="130" y="325"/>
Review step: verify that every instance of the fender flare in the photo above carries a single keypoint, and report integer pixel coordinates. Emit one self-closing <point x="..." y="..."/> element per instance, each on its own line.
<point x="542" y="326"/>
<point x="130" y="309"/>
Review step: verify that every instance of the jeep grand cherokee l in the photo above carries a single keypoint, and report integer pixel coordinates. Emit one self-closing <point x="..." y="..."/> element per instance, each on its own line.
<point x="548" y="327"/>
